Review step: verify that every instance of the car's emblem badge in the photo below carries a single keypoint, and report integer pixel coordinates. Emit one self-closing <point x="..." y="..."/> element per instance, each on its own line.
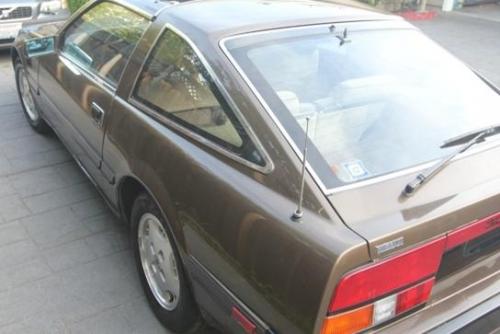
<point x="390" y="245"/>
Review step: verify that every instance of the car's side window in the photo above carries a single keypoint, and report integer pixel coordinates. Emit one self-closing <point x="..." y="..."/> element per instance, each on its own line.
<point x="175" y="84"/>
<point x="103" y="38"/>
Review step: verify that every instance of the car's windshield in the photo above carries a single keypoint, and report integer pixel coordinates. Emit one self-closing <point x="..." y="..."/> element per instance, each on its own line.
<point x="378" y="100"/>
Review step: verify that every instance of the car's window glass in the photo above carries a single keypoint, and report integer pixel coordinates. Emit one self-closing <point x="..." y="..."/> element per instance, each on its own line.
<point x="103" y="38"/>
<point x="175" y="83"/>
<point x="381" y="101"/>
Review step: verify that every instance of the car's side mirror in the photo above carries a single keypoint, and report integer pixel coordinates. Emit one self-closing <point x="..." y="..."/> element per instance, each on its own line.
<point x="40" y="46"/>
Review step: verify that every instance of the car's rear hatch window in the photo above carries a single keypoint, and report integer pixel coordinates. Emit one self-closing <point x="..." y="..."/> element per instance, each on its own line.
<point x="380" y="96"/>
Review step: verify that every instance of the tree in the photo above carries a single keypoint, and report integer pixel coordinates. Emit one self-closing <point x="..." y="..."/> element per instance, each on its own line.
<point x="73" y="5"/>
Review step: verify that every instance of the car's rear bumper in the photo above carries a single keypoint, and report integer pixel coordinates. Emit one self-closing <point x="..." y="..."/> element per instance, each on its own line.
<point x="483" y="318"/>
<point x="473" y="305"/>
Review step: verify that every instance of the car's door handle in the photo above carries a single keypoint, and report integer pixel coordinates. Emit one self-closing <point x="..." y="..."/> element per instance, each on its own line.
<point x="97" y="114"/>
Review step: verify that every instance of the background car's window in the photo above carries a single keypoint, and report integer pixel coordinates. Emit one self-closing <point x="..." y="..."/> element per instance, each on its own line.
<point x="103" y="38"/>
<point x="175" y="83"/>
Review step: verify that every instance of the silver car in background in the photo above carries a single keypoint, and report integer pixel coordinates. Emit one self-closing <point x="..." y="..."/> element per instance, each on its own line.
<point x="15" y="13"/>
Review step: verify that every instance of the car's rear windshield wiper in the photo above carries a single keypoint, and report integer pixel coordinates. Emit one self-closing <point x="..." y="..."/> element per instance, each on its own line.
<point x="467" y="140"/>
<point x="464" y="138"/>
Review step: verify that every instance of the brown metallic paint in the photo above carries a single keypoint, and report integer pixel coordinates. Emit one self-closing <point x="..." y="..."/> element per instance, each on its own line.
<point x="232" y="222"/>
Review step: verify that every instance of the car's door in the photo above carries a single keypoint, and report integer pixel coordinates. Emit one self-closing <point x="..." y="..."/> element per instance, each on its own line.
<point x="80" y="79"/>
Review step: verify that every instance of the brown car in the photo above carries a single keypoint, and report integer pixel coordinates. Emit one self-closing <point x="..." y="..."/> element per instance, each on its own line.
<point x="191" y="119"/>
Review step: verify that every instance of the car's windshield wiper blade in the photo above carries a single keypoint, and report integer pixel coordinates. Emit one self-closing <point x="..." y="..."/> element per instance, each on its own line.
<point x="464" y="138"/>
<point x="467" y="140"/>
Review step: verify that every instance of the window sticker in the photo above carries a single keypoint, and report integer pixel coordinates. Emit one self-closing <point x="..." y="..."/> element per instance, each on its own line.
<point x="355" y="169"/>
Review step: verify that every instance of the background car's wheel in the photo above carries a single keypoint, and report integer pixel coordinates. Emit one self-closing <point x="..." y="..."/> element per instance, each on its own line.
<point x="160" y="269"/>
<point x="28" y="103"/>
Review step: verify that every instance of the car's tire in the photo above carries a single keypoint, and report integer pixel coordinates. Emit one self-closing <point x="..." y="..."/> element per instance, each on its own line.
<point x="156" y="254"/>
<point x="28" y="103"/>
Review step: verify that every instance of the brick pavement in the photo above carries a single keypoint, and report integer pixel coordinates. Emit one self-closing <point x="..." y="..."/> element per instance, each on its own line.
<point x="66" y="266"/>
<point x="472" y="34"/>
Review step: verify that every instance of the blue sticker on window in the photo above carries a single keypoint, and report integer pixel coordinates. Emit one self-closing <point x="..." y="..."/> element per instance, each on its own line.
<point x="356" y="169"/>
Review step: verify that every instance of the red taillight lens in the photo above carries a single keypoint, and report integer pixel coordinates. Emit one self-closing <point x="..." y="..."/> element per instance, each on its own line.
<point x="387" y="276"/>
<point x="414" y="296"/>
<point x="245" y="323"/>
<point x="472" y="231"/>
<point x="377" y="293"/>
<point x="384" y="309"/>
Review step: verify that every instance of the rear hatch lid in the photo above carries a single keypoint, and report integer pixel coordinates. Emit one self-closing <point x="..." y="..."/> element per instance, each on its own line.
<point x="466" y="192"/>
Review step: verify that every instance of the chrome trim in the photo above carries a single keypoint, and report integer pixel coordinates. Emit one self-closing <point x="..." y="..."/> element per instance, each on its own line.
<point x="269" y="165"/>
<point x="264" y="104"/>
<point x="97" y="80"/>
<point x="73" y="68"/>
<point x="141" y="108"/>
<point x="415" y="169"/>
<point x="297" y="150"/>
<point x="99" y="117"/>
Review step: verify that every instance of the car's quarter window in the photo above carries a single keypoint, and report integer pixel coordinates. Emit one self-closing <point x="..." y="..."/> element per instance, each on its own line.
<point x="103" y="38"/>
<point x="176" y="85"/>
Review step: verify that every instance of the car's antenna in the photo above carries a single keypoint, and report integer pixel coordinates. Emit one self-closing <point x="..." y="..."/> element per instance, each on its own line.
<point x="297" y="215"/>
<point x="342" y="37"/>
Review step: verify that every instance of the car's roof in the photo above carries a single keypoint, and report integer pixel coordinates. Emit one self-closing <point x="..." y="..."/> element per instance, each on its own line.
<point x="150" y="7"/>
<point x="215" y="16"/>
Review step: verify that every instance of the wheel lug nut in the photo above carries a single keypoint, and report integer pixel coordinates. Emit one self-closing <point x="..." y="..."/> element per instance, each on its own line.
<point x="170" y="296"/>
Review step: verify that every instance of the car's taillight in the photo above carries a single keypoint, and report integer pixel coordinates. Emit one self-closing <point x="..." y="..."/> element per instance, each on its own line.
<point x="379" y="292"/>
<point x="473" y="230"/>
<point x="376" y="293"/>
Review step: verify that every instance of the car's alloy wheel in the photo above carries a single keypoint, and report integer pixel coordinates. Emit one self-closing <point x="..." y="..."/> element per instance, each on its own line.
<point x="26" y="97"/>
<point x="158" y="261"/>
<point x="27" y="101"/>
<point x="160" y="268"/>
